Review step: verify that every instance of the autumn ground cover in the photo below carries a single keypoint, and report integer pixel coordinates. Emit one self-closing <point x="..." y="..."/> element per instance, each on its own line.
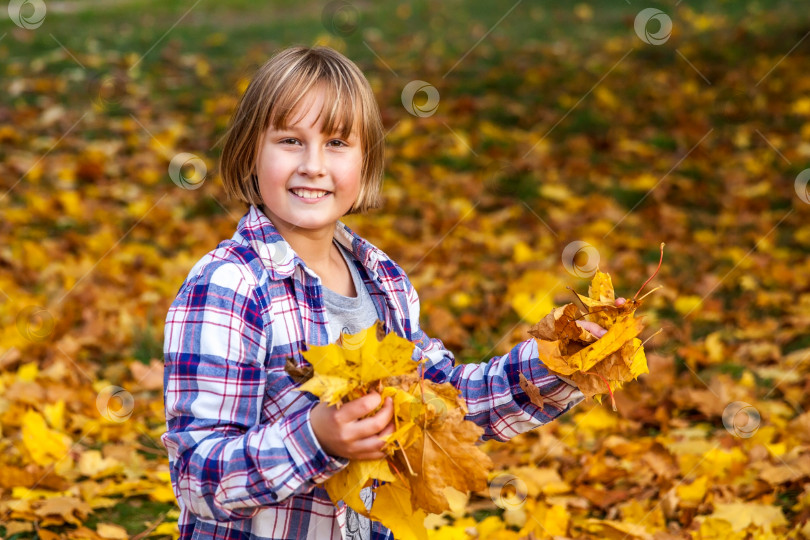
<point x="563" y="134"/>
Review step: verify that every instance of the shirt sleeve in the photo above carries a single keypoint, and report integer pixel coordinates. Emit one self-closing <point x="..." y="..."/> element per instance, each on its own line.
<point x="225" y="465"/>
<point x="491" y="389"/>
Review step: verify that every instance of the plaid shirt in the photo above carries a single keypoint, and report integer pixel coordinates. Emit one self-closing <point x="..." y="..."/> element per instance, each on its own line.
<point x="244" y="460"/>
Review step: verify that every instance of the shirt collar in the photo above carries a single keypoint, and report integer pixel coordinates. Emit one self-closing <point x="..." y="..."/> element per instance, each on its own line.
<point x="278" y="256"/>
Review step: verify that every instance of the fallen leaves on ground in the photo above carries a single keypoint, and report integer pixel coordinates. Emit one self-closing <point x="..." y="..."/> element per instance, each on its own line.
<point x="525" y="154"/>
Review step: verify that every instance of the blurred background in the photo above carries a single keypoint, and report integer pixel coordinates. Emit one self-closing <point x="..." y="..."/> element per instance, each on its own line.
<point x="527" y="143"/>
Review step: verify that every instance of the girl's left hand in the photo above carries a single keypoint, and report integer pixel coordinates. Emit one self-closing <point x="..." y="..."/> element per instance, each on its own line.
<point x="594" y="328"/>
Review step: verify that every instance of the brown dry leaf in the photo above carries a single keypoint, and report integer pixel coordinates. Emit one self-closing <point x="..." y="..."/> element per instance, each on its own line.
<point x="45" y="534"/>
<point x="531" y="390"/>
<point x="59" y="510"/>
<point x="299" y="374"/>
<point x="616" y="530"/>
<point x="148" y="377"/>
<point x="444" y="454"/>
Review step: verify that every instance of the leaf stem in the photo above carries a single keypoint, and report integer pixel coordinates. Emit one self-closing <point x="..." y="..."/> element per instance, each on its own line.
<point x="396" y="471"/>
<point x="579" y="299"/>
<point x="649" y="293"/>
<point x="404" y="455"/>
<point x="610" y="391"/>
<point x="660" y="260"/>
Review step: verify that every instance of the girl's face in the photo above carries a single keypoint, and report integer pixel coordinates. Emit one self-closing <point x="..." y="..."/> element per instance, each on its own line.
<point x="307" y="179"/>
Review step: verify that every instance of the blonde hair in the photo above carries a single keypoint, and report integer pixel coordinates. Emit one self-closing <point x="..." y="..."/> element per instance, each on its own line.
<point x="271" y="97"/>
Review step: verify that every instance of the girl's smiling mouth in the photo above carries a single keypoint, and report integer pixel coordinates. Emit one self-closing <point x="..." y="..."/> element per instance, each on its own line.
<point x="309" y="194"/>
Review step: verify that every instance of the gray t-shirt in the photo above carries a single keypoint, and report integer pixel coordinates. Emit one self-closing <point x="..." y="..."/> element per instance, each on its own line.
<point x="348" y="316"/>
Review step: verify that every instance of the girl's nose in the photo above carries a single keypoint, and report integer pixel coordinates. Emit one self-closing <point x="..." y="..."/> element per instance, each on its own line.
<point x="312" y="163"/>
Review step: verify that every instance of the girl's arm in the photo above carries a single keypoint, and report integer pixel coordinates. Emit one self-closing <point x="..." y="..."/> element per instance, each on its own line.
<point x="224" y="464"/>
<point x="492" y="391"/>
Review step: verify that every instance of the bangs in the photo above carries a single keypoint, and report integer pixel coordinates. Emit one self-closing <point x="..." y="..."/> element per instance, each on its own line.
<point x="338" y="109"/>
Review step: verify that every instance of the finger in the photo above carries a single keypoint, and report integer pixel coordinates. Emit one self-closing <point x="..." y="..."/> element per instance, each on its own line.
<point x="592" y="327"/>
<point x="371" y="456"/>
<point x="620" y="301"/>
<point x="358" y="408"/>
<point x="369" y="445"/>
<point x="373" y="425"/>
<point x="387" y="430"/>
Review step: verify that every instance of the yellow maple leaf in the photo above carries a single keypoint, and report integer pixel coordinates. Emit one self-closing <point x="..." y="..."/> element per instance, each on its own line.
<point x="45" y="445"/>
<point x="392" y="507"/>
<point x="547" y="521"/>
<point x="346" y="484"/>
<point x="361" y="360"/>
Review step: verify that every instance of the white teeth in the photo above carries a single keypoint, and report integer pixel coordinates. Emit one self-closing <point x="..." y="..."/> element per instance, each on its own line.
<point x="309" y="194"/>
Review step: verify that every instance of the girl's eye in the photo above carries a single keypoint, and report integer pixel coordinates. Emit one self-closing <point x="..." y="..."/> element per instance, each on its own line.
<point x="289" y="141"/>
<point x="337" y="143"/>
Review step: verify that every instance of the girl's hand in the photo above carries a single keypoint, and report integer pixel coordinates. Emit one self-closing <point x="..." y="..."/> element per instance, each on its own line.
<point x="594" y="328"/>
<point x="345" y="433"/>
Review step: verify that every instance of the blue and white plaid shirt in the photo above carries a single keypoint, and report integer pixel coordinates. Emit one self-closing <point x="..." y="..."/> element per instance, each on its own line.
<point x="244" y="460"/>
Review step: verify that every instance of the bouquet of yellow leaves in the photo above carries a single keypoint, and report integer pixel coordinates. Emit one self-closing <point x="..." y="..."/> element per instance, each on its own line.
<point x="597" y="366"/>
<point x="432" y="446"/>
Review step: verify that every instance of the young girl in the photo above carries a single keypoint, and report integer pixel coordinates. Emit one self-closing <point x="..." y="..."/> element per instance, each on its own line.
<point x="248" y="453"/>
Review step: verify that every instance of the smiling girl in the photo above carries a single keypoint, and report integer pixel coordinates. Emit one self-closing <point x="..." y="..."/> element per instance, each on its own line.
<point x="248" y="453"/>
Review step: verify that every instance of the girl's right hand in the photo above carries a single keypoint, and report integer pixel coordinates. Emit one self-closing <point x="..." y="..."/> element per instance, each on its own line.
<point x="345" y="433"/>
